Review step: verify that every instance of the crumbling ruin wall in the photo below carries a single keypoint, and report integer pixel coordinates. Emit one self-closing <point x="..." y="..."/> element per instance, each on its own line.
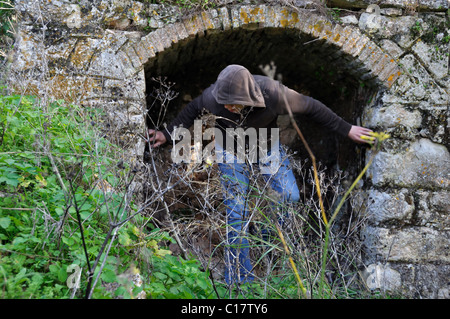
<point x="102" y="53"/>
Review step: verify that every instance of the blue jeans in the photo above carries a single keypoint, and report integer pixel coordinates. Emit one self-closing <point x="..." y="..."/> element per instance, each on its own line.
<point x="235" y="182"/>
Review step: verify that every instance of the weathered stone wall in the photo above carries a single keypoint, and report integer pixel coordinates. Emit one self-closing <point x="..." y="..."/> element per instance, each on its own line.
<point x="103" y="53"/>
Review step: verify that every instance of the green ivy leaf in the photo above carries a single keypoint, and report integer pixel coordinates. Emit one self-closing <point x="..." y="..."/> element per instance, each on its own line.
<point x="5" y="222"/>
<point x="160" y="276"/>
<point x="108" y="276"/>
<point x="59" y="211"/>
<point x="10" y="179"/>
<point x="62" y="274"/>
<point x="124" y="239"/>
<point x="120" y="291"/>
<point x="54" y="268"/>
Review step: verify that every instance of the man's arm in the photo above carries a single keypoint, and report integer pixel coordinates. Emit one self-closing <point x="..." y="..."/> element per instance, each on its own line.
<point x="320" y="113"/>
<point x="185" y="118"/>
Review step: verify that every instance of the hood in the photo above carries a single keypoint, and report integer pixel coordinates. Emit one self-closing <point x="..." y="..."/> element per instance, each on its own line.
<point x="236" y="85"/>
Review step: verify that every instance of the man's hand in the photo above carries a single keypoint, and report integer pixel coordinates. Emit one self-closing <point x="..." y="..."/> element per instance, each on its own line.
<point x="357" y="131"/>
<point x="156" y="138"/>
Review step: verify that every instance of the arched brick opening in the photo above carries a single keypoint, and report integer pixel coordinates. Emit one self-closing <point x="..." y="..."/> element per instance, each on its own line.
<point x="336" y="65"/>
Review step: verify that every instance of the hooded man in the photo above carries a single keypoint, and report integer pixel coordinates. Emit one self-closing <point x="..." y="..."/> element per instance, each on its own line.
<point x="239" y="99"/>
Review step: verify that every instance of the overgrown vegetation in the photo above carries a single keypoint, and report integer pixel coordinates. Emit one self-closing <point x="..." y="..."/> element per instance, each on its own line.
<point x="6" y="14"/>
<point x="6" y="26"/>
<point x="310" y="256"/>
<point x="69" y="227"/>
<point x="65" y="212"/>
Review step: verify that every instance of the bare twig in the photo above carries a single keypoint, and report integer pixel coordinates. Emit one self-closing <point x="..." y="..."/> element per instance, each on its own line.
<point x="313" y="159"/>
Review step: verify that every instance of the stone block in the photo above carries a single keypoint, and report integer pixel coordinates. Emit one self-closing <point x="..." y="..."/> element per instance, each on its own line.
<point x="407" y="244"/>
<point x="382" y="62"/>
<point x="235" y="17"/>
<point x="289" y="18"/>
<point x="369" y="56"/>
<point x="432" y="209"/>
<point x="113" y="40"/>
<point x="390" y="116"/>
<point x="134" y="58"/>
<point x="159" y="16"/>
<point x="390" y="73"/>
<point x="180" y="30"/>
<point x="335" y="35"/>
<point x="391" y="12"/>
<point x="434" y="56"/>
<point x="143" y="51"/>
<point x="138" y="14"/>
<point x="163" y="37"/>
<point x="194" y="25"/>
<point x="211" y="20"/>
<point x="392" y="48"/>
<point x="403" y="83"/>
<point x="422" y="164"/>
<point x="341" y="35"/>
<point x="73" y="89"/>
<point x="355" y="43"/>
<point x="350" y="19"/>
<point x="308" y="26"/>
<point x="248" y="15"/>
<point x="380" y="276"/>
<point x="371" y="23"/>
<point x="61" y="50"/>
<point x="426" y="280"/>
<point x="111" y="65"/>
<point x="322" y="29"/>
<point x="302" y="20"/>
<point x="224" y="18"/>
<point x="390" y="207"/>
<point x="367" y="50"/>
<point x="151" y="44"/>
<point x="271" y="18"/>
<point x="83" y="52"/>
<point x="413" y="5"/>
<point x="382" y="67"/>
<point x="131" y="89"/>
<point x="423" y="86"/>
<point x="175" y="32"/>
<point x="124" y="65"/>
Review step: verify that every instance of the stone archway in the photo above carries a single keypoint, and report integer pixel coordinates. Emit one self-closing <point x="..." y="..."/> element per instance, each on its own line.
<point x="306" y="48"/>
